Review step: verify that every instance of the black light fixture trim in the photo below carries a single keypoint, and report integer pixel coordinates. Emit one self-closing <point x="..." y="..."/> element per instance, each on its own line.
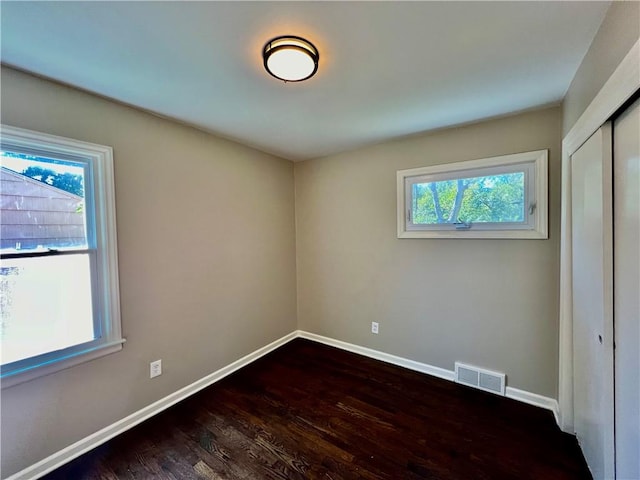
<point x="311" y="51"/>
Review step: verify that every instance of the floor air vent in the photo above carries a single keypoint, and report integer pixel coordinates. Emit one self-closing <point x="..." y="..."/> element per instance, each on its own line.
<point x="480" y="378"/>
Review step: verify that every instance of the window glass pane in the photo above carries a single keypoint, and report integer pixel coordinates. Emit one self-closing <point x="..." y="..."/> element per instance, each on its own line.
<point x="45" y="305"/>
<point x="42" y="203"/>
<point x="491" y="198"/>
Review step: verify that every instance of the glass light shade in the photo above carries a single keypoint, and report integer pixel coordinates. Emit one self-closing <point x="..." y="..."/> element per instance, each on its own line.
<point x="291" y="59"/>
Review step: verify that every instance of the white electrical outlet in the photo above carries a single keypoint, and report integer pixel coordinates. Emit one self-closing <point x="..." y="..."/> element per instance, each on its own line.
<point x="374" y="327"/>
<point x="155" y="369"/>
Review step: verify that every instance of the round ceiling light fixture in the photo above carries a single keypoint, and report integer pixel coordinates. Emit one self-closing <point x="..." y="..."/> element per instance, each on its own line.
<point x="290" y="58"/>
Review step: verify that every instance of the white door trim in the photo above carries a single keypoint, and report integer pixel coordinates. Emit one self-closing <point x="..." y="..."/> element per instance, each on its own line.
<point x="622" y="84"/>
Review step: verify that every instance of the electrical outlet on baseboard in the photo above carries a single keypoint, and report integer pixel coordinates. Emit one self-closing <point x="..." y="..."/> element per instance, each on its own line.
<point x="374" y="327"/>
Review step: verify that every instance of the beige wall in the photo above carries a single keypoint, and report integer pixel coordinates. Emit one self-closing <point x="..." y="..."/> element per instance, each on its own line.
<point x="492" y="303"/>
<point x="618" y="32"/>
<point x="206" y="257"/>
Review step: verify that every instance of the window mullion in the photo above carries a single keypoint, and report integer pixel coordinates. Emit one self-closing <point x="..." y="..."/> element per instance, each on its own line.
<point x="46" y="253"/>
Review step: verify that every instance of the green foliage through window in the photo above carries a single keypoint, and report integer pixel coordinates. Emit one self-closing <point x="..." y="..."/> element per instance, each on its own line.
<point x="65" y="181"/>
<point x="488" y="199"/>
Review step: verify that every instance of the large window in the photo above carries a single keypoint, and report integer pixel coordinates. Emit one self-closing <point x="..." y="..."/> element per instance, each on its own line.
<point x="59" y="302"/>
<point x="499" y="197"/>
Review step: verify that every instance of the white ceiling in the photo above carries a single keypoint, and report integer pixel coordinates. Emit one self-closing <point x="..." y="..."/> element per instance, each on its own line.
<point x="387" y="69"/>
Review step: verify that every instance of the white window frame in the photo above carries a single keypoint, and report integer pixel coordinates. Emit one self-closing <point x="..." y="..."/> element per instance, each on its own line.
<point x="99" y="185"/>
<point x="534" y="166"/>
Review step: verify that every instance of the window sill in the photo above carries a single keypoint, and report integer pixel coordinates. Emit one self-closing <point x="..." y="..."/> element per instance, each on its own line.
<point x="488" y="234"/>
<point x="78" y="358"/>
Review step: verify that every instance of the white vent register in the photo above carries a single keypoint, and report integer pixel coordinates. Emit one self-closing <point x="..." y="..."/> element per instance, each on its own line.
<point x="477" y="377"/>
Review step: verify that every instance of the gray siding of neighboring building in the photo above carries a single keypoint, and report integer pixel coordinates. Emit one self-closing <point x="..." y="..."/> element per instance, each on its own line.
<point x="33" y="213"/>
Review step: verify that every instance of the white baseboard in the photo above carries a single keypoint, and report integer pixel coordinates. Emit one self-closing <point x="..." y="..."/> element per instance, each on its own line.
<point x="535" y="399"/>
<point x="510" y="392"/>
<point x="385" y="357"/>
<point x="96" y="439"/>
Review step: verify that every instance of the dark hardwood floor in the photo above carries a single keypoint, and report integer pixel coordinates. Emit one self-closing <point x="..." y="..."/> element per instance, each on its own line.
<point x="309" y="411"/>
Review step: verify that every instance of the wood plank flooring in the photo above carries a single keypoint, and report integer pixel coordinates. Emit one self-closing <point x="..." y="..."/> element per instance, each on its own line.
<point x="310" y="411"/>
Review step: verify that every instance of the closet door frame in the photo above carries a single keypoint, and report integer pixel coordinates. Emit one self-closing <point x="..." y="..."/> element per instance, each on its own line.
<point x="593" y="363"/>
<point x="619" y="88"/>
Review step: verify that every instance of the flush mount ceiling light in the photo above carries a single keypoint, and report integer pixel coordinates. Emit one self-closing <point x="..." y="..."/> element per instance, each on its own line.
<point x="290" y="58"/>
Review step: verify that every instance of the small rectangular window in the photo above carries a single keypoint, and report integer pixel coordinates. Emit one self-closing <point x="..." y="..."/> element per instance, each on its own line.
<point x="499" y="197"/>
<point x="58" y="276"/>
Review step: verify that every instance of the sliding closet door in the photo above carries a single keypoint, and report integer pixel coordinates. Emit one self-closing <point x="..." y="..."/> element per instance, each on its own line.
<point x="591" y="199"/>
<point x="626" y="221"/>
